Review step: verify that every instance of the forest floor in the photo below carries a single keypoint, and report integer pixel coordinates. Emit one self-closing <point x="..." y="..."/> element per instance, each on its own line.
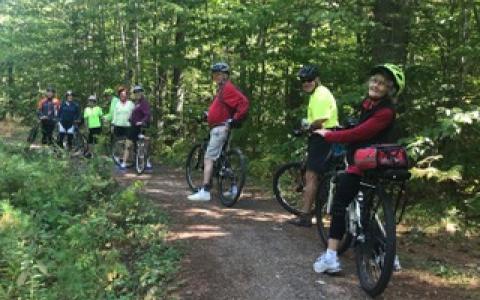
<point x="250" y="252"/>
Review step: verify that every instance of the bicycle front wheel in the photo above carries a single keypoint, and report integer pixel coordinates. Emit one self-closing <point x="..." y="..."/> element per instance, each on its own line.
<point x="194" y="167"/>
<point x="140" y="157"/>
<point x="32" y="134"/>
<point x="325" y="193"/>
<point x="232" y="177"/>
<point x="375" y="255"/>
<point x="288" y="186"/>
<point x="80" y="144"/>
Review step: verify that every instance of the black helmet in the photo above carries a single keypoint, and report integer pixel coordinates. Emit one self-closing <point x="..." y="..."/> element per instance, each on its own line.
<point x="138" y="88"/>
<point x="308" y="73"/>
<point x="220" y="67"/>
<point x="50" y="89"/>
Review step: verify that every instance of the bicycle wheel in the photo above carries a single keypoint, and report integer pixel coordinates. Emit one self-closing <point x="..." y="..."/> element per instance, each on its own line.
<point x="376" y="254"/>
<point x="140" y="157"/>
<point x="194" y="167"/>
<point x="326" y="190"/>
<point x="79" y="143"/>
<point x="288" y="186"/>
<point x="118" y="149"/>
<point x="32" y="134"/>
<point x="232" y="177"/>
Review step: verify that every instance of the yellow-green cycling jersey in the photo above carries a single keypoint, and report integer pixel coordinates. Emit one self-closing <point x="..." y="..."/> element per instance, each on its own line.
<point x="322" y="105"/>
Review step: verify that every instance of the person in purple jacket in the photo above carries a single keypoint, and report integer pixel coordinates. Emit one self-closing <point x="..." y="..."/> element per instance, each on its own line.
<point x="140" y="117"/>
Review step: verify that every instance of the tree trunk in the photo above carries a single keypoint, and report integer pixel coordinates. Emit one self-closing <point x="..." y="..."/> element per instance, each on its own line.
<point x="178" y="98"/>
<point x="390" y="34"/>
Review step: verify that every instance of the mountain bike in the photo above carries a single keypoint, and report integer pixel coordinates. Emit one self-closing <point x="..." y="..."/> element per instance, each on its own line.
<point x="289" y="179"/>
<point x="229" y="170"/>
<point x="370" y="223"/>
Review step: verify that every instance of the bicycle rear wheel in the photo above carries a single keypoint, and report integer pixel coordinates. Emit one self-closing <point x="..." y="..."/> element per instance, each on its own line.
<point x="288" y="186"/>
<point x="194" y="167"/>
<point x="326" y="189"/>
<point x="376" y="254"/>
<point x="232" y="177"/>
<point x="140" y="157"/>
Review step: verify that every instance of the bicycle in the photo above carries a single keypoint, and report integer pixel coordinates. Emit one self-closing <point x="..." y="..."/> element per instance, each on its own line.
<point x="229" y="169"/>
<point x="137" y="157"/>
<point x="79" y="141"/>
<point x="370" y="224"/>
<point x="33" y="132"/>
<point x="289" y="179"/>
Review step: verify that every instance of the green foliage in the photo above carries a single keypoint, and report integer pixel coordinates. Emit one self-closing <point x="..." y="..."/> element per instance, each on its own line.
<point x="68" y="231"/>
<point x="168" y="46"/>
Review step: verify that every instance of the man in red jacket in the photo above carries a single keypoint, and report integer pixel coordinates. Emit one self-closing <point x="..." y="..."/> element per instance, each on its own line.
<point x="228" y="109"/>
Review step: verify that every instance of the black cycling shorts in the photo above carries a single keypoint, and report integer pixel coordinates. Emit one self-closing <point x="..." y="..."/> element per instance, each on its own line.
<point x="121" y="132"/>
<point x="318" y="150"/>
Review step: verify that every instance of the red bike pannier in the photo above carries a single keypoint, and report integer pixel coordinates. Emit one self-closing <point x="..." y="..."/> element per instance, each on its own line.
<point x="383" y="156"/>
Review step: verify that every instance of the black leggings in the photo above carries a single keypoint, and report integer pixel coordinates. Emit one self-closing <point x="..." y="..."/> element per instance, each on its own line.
<point x="346" y="189"/>
<point x="47" y="131"/>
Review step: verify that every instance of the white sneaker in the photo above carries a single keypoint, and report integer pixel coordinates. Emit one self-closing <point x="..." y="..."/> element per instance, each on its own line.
<point x="232" y="192"/>
<point x="396" y="264"/>
<point x="201" y="195"/>
<point x="325" y="264"/>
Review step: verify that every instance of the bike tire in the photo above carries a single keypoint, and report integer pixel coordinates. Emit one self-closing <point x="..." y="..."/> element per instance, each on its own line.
<point x="140" y="157"/>
<point x="80" y="143"/>
<point x="288" y="186"/>
<point x="32" y="134"/>
<point x="378" y="249"/>
<point x="232" y="177"/>
<point x="323" y="218"/>
<point x="194" y="167"/>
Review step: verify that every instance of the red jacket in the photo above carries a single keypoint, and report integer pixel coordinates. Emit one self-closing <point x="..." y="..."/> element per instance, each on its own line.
<point x="371" y="127"/>
<point x="229" y="103"/>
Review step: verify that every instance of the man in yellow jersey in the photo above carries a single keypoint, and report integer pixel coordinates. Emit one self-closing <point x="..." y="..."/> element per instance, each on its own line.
<point x="322" y="113"/>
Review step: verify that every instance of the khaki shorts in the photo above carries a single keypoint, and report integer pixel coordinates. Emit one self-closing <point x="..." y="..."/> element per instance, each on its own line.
<point x="218" y="136"/>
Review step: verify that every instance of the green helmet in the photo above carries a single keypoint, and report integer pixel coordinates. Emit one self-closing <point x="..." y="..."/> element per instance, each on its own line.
<point x="108" y="91"/>
<point x="396" y="74"/>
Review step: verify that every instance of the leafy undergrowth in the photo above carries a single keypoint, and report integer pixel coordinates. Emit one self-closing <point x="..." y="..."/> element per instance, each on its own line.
<point x="68" y="231"/>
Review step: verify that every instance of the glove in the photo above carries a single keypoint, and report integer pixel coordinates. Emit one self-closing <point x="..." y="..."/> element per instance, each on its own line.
<point x="305" y="125"/>
<point x="232" y="123"/>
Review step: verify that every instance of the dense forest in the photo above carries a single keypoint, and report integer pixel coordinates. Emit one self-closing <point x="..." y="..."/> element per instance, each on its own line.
<point x="168" y="47"/>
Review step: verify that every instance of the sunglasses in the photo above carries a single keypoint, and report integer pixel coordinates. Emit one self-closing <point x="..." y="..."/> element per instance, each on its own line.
<point x="303" y="80"/>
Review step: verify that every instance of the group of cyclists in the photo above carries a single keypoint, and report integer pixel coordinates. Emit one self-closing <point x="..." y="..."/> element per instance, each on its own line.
<point x="230" y="107"/>
<point x="126" y="118"/>
<point x="376" y="119"/>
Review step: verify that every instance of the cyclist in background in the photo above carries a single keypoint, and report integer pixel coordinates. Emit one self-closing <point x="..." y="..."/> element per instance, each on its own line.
<point x="69" y="117"/>
<point x="92" y="116"/>
<point x="140" y="118"/>
<point x="321" y="113"/>
<point x="47" y="111"/>
<point x="111" y="98"/>
<point x="228" y="109"/>
<point x="121" y="121"/>
<point x="377" y="117"/>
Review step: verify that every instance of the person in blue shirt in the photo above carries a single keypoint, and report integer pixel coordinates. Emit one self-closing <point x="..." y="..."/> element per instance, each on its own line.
<point x="68" y="117"/>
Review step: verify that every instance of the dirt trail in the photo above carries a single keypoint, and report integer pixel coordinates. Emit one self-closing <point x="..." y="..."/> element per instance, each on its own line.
<point x="249" y="252"/>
